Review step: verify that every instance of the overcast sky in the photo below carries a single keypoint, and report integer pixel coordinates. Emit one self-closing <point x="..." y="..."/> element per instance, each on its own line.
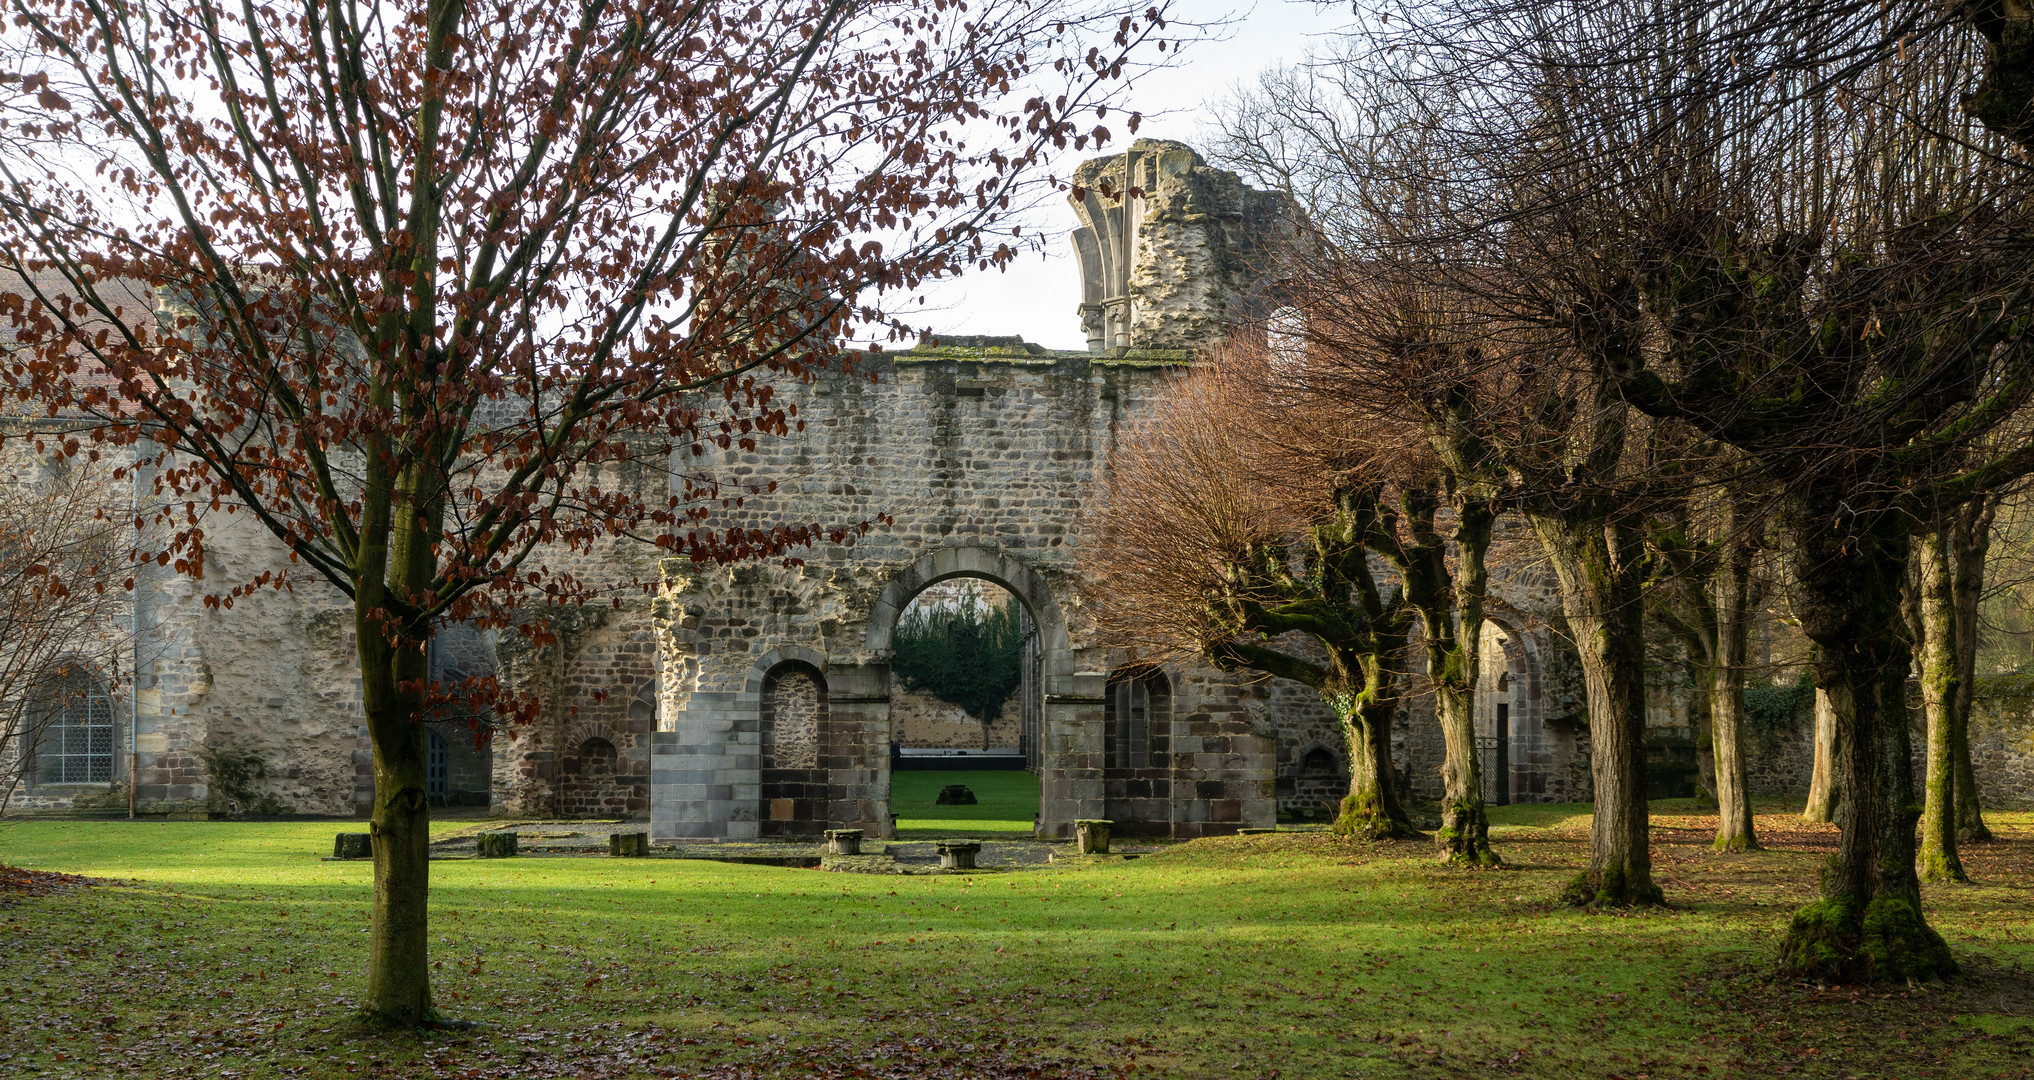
<point x="1037" y="298"/>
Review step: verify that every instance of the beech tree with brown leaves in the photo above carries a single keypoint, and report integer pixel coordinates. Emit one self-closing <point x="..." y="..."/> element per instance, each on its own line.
<point x="1238" y="530"/>
<point x="435" y="272"/>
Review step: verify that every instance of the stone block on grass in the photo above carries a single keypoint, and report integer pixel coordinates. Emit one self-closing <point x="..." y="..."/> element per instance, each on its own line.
<point x="353" y="845"/>
<point x="495" y="845"/>
<point x="628" y="845"/>
<point x="843" y="841"/>
<point x="958" y="854"/>
<point x="1092" y="834"/>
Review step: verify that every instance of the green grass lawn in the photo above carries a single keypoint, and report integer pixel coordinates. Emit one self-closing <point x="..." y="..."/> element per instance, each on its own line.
<point x="230" y="950"/>
<point x="1008" y="802"/>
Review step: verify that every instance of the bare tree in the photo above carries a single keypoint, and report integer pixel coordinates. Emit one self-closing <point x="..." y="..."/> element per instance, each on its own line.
<point x="1856" y="338"/>
<point x="64" y="568"/>
<point x="1379" y="352"/>
<point x="1400" y="187"/>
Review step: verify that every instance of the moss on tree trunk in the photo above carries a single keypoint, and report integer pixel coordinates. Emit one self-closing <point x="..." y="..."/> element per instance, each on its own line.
<point x="1600" y="599"/>
<point x="1941" y="685"/>
<point x="1868" y="924"/>
<point x="1371" y="809"/>
<point x="1450" y="607"/>
<point x="1973" y="542"/>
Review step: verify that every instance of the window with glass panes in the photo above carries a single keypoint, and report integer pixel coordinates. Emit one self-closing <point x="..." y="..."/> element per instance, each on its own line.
<point x="76" y="743"/>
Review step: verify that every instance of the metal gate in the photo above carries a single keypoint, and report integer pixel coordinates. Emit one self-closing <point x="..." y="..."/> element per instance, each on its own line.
<point x="1494" y="759"/>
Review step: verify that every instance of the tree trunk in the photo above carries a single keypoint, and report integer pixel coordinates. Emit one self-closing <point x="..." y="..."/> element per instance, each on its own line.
<point x="1868" y="924"/>
<point x="398" y="974"/>
<point x="1465" y="823"/>
<point x="1941" y="672"/>
<point x="1825" y="794"/>
<point x="1731" y="597"/>
<point x="1973" y="543"/>
<point x="1970" y="815"/>
<point x="1703" y="715"/>
<point x="1372" y="809"/>
<point x="1454" y="634"/>
<point x="1600" y="600"/>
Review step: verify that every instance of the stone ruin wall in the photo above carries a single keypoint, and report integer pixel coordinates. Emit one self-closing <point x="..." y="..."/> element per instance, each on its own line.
<point x="988" y="447"/>
<point x="271" y="686"/>
<point x="975" y="447"/>
<point x="925" y="721"/>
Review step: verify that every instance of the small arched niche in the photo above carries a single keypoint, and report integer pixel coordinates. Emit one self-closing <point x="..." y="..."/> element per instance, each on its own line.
<point x="792" y="750"/>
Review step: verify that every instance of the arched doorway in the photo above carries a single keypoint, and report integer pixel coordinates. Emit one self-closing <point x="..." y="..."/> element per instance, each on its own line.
<point x="1061" y="723"/>
<point x="964" y="710"/>
<point x="1510" y="730"/>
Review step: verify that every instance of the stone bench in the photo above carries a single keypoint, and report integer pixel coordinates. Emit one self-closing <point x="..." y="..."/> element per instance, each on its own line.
<point x="958" y="854"/>
<point x="843" y="841"/>
<point x="495" y="845"/>
<point x="1092" y="835"/>
<point x="628" y="845"/>
<point x="353" y="845"/>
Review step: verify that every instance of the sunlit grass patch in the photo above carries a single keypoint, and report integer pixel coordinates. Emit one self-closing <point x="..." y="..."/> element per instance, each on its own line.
<point x="232" y="947"/>
<point x="1008" y="802"/>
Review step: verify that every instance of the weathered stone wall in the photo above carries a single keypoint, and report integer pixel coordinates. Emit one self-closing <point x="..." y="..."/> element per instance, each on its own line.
<point x="1170" y="248"/>
<point x="2001" y="748"/>
<point x="923" y="720"/>
<point x="270" y="687"/>
<point x="981" y="453"/>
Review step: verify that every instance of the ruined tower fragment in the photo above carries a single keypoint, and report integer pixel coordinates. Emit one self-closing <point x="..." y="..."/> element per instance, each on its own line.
<point x="1172" y="251"/>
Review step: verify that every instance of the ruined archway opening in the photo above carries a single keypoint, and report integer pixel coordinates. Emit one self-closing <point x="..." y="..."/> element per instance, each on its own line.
<point x="965" y="709"/>
<point x="1138" y="772"/>
<point x="1511" y="737"/>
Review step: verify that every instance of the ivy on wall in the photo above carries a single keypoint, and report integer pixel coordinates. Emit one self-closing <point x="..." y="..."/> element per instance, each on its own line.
<point x="1776" y="708"/>
<point x="968" y="654"/>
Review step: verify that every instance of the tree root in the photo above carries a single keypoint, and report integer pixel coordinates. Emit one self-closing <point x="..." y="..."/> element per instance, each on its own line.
<point x="1832" y="940"/>
<point x="1612" y="886"/>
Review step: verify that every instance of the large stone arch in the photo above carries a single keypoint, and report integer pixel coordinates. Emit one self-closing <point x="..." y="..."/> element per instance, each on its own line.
<point x="1070" y="736"/>
<point x="967" y="457"/>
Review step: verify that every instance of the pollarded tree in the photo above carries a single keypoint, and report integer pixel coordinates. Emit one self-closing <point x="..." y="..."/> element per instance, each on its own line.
<point x="1381" y="353"/>
<point x="1416" y="176"/>
<point x="1705" y="546"/>
<point x="1237" y="531"/>
<point x="439" y="275"/>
